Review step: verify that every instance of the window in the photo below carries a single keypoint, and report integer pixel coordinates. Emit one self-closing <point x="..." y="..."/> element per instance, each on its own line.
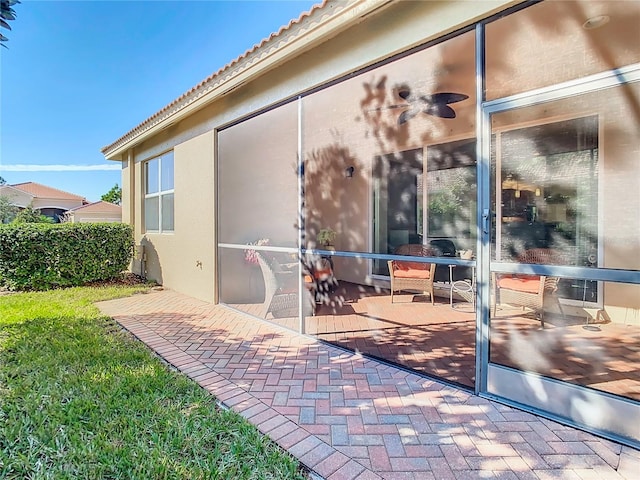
<point x="451" y="192"/>
<point x="417" y="207"/>
<point x="397" y="203"/>
<point x="158" y="194"/>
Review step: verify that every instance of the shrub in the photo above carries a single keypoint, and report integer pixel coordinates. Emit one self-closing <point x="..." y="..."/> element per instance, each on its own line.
<point x="31" y="215"/>
<point x="8" y="210"/>
<point x="38" y="256"/>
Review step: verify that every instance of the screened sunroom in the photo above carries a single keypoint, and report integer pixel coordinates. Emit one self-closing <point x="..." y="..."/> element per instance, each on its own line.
<point x="468" y="209"/>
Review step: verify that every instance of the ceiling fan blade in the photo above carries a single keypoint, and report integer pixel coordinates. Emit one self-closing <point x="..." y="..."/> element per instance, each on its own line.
<point x="406" y="116"/>
<point x="447" y="97"/>
<point x="439" y="110"/>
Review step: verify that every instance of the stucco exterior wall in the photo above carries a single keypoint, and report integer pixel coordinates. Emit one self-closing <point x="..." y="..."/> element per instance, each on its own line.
<point x="56" y="203"/>
<point x="128" y="191"/>
<point x="79" y="217"/>
<point x="184" y="259"/>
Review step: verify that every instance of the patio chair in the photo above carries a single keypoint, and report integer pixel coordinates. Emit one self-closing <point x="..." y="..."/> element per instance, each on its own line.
<point x="529" y="291"/>
<point x="412" y="276"/>
<point x="319" y="277"/>
<point x="281" y="290"/>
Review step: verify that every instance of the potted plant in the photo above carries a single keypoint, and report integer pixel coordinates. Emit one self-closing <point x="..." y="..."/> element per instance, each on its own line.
<point x="325" y="238"/>
<point x="250" y="254"/>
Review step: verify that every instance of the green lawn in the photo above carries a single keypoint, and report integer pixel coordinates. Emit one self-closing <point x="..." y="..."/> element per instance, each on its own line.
<point x="80" y="399"/>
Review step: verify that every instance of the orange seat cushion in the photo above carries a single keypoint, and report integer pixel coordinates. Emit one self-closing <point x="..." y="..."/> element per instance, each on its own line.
<point x="527" y="284"/>
<point x="411" y="266"/>
<point x="412" y="273"/>
<point x="323" y="273"/>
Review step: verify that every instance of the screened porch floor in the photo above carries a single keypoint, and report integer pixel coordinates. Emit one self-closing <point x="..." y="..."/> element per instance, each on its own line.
<point x="440" y="341"/>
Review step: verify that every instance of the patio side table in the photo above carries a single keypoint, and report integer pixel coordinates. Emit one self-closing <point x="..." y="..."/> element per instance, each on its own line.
<point x="464" y="288"/>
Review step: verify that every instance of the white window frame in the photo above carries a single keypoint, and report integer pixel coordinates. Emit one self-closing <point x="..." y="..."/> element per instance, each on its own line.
<point x="159" y="193"/>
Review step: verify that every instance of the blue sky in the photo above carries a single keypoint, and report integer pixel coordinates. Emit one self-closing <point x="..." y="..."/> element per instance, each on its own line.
<point x="79" y="74"/>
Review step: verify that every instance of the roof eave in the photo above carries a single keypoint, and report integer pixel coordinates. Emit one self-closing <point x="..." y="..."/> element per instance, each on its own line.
<point x="248" y="68"/>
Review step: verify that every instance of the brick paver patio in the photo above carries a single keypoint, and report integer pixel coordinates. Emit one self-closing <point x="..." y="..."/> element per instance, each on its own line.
<point x="348" y="417"/>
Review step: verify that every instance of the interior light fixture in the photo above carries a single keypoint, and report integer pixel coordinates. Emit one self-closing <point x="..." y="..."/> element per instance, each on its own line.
<point x="538" y="192"/>
<point x="596" y="22"/>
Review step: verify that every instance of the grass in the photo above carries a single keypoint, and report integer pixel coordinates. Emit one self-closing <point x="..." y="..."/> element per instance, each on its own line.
<point x="79" y="398"/>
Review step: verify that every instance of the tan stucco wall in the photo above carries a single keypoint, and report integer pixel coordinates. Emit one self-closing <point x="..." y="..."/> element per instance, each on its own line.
<point x="79" y="217"/>
<point x="128" y="189"/>
<point x="131" y="184"/>
<point x="56" y="203"/>
<point x="183" y="260"/>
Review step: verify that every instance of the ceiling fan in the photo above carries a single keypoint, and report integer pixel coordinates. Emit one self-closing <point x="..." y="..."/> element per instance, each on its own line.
<point x="436" y="104"/>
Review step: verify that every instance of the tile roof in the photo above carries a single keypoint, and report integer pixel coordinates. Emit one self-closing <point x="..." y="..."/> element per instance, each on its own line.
<point x="99" y="207"/>
<point x="4" y="188"/>
<point x="42" y="191"/>
<point x="198" y="90"/>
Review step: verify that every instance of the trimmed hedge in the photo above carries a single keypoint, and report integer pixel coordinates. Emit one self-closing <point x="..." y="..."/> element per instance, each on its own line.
<point x="36" y="256"/>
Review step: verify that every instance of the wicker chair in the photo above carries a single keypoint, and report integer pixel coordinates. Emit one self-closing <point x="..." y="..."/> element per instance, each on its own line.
<point x="412" y="276"/>
<point x="281" y="291"/>
<point x="529" y="291"/>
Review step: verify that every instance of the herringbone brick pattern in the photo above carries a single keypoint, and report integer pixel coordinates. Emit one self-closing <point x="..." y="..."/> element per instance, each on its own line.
<point x="348" y="417"/>
<point x="439" y="340"/>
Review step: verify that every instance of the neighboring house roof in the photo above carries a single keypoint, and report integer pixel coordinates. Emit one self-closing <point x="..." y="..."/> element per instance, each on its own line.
<point x="318" y="24"/>
<point x="17" y="190"/>
<point x="38" y="190"/>
<point x="98" y="207"/>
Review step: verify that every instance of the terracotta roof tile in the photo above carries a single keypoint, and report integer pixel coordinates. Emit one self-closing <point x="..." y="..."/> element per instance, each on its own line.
<point x="99" y="207"/>
<point x="149" y="121"/>
<point x="42" y="191"/>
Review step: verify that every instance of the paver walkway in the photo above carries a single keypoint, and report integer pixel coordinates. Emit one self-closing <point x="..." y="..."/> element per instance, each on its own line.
<point x="347" y="417"/>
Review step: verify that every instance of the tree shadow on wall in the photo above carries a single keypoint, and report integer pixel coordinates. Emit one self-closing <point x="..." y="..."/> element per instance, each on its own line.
<point x="391" y="133"/>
